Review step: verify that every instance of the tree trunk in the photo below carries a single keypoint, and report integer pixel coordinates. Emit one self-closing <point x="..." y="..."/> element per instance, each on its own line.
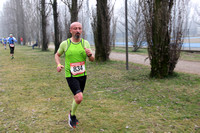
<point x="159" y="37"/>
<point x="44" y="26"/>
<point x="56" y="26"/>
<point x="114" y="27"/>
<point x="74" y="11"/>
<point x="18" y="21"/>
<point x="19" y="14"/>
<point x="102" y="37"/>
<point x="23" y="24"/>
<point x="160" y="20"/>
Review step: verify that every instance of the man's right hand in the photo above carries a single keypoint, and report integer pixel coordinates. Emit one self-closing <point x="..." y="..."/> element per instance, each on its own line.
<point x="59" y="68"/>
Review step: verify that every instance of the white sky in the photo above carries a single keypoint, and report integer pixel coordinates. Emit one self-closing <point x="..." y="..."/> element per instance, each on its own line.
<point x="118" y="2"/>
<point x="92" y="2"/>
<point x="1" y="4"/>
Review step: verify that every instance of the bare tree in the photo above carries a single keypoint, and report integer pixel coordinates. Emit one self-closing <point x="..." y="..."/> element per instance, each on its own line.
<point x="32" y="22"/>
<point x="19" y="14"/>
<point x="9" y="19"/>
<point x="197" y="12"/>
<point x="136" y="28"/>
<point x="136" y="25"/>
<point x="56" y="25"/>
<point x="113" y="28"/>
<point x="159" y="25"/>
<point x="13" y="21"/>
<point x="179" y="26"/>
<point x="24" y="20"/>
<point x="94" y="23"/>
<point x="64" y="21"/>
<point x="74" y="6"/>
<point x="102" y="34"/>
<point x="44" y="15"/>
<point x="113" y="33"/>
<point x="38" y="22"/>
<point x="87" y="19"/>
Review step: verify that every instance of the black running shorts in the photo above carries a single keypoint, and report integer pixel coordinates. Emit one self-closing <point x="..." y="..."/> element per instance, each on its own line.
<point x="76" y="84"/>
<point x="12" y="50"/>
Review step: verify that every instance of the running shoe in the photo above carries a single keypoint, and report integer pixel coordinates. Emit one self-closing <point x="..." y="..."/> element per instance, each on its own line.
<point x="72" y="120"/>
<point x="76" y="119"/>
<point x="76" y="122"/>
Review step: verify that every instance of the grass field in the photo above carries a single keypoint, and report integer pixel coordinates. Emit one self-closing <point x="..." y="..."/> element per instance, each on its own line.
<point x="35" y="98"/>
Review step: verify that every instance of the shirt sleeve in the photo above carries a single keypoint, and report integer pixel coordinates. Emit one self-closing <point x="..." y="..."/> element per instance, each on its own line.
<point x="62" y="47"/>
<point x="87" y="45"/>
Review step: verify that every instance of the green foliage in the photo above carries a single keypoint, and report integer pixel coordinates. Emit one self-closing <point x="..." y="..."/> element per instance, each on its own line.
<point x="35" y="98"/>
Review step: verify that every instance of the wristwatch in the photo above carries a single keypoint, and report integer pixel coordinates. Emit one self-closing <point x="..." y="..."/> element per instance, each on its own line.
<point x="90" y="55"/>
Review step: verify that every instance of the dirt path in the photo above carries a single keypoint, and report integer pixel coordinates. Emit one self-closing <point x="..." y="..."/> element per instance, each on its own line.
<point x="182" y="66"/>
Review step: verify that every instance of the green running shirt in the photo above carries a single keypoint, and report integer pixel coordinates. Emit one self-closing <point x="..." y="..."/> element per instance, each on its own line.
<point x="75" y="57"/>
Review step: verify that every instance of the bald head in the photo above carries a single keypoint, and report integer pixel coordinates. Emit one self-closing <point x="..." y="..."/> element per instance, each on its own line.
<point x="76" y="30"/>
<point x="75" y="24"/>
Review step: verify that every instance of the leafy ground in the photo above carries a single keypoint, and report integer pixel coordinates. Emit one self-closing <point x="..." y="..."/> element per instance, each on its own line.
<point x="35" y="98"/>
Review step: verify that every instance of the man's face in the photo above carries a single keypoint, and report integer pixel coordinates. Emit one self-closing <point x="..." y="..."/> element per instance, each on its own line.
<point x="76" y="30"/>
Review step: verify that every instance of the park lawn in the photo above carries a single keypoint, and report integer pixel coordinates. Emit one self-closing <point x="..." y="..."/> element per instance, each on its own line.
<point x="190" y="56"/>
<point x="35" y="98"/>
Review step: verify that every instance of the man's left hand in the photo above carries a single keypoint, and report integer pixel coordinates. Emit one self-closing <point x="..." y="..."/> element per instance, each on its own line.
<point x="88" y="52"/>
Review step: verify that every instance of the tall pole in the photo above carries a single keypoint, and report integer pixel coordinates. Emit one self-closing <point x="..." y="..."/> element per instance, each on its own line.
<point x="189" y="39"/>
<point x="126" y="30"/>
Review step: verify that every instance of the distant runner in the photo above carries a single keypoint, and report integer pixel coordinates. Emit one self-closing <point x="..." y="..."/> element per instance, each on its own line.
<point x="11" y="42"/>
<point x="4" y="40"/>
<point x="76" y="50"/>
<point x="21" y="40"/>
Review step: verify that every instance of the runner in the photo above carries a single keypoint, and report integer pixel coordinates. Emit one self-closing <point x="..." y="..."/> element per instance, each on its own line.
<point x="4" y="40"/>
<point x="11" y="42"/>
<point x="21" y="40"/>
<point x="76" y="50"/>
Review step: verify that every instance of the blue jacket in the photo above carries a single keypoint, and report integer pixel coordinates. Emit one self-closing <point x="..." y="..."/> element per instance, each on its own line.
<point x="11" y="40"/>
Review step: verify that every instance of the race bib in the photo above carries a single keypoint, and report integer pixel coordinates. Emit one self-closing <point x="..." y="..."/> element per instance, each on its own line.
<point x="12" y="45"/>
<point x="77" y="68"/>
